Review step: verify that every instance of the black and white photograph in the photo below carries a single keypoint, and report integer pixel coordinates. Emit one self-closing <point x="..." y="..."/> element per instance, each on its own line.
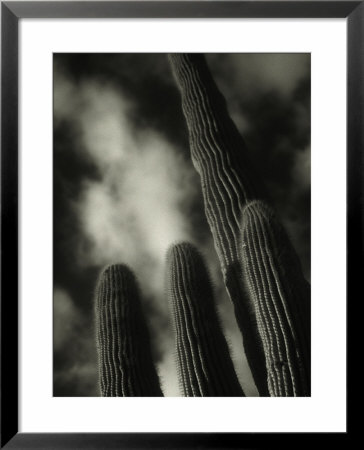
<point x="181" y="225"/>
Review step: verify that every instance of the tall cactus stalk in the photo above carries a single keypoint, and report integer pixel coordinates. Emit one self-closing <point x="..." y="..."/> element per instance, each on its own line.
<point x="219" y="155"/>
<point x="123" y="345"/>
<point x="281" y="297"/>
<point x="204" y="364"/>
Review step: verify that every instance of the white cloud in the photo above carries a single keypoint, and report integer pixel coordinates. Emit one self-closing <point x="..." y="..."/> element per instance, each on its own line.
<point x="241" y="77"/>
<point x="249" y="73"/>
<point x="134" y="212"/>
<point x="73" y="341"/>
<point x="302" y="169"/>
<point x="66" y="318"/>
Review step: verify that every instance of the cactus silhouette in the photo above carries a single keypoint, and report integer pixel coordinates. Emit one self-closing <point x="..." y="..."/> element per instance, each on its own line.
<point x="281" y="298"/>
<point x="204" y="364"/>
<point x="123" y="345"/>
<point x="261" y="272"/>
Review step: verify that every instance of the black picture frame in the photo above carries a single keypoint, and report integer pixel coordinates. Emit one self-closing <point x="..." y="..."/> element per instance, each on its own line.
<point x="11" y="12"/>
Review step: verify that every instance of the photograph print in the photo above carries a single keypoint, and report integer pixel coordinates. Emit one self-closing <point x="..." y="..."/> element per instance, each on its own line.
<point x="181" y="238"/>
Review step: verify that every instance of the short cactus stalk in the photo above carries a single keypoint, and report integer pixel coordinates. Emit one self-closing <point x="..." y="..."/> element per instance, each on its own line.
<point x="123" y="345"/>
<point x="228" y="182"/>
<point x="281" y="297"/>
<point x="204" y="364"/>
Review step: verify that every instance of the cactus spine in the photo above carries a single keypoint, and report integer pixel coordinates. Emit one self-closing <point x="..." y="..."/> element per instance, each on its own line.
<point x="204" y="364"/>
<point x="281" y="297"/>
<point x="219" y="155"/>
<point x="123" y="345"/>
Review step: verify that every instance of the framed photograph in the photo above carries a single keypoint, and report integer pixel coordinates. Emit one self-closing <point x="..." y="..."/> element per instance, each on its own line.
<point x="181" y="218"/>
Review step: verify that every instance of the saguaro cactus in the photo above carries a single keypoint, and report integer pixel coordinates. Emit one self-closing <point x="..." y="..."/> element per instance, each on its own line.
<point x="204" y="364"/>
<point x="261" y="271"/>
<point x="228" y="182"/>
<point x="281" y="297"/>
<point x="125" y="362"/>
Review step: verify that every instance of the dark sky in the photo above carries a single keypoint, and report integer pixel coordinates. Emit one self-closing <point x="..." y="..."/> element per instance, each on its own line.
<point x="125" y="188"/>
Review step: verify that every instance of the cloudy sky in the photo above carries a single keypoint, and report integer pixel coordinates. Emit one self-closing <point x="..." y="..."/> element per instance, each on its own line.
<point x="125" y="187"/>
